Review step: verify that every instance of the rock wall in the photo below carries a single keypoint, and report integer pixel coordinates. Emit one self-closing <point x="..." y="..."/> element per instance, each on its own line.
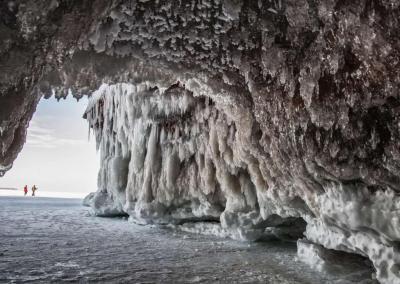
<point x="253" y="114"/>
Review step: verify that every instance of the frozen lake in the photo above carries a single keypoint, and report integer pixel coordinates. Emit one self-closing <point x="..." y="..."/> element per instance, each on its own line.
<point x="56" y="240"/>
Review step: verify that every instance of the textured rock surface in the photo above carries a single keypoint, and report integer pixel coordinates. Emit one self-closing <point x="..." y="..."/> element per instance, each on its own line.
<point x="250" y="113"/>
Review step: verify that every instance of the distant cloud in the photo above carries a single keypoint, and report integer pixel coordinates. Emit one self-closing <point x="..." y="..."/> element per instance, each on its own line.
<point x="41" y="137"/>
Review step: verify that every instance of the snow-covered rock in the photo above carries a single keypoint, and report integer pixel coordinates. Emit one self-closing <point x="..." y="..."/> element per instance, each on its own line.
<point x="88" y="200"/>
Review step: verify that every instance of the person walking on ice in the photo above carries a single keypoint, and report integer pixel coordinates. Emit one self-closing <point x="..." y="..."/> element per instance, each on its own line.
<point x="25" y="190"/>
<point x="34" y="188"/>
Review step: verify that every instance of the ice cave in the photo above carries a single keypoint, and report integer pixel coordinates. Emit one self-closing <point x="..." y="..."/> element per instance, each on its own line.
<point x="230" y="117"/>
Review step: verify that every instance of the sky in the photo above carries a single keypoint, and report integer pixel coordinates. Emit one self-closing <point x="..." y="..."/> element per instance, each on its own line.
<point x="58" y="157"/>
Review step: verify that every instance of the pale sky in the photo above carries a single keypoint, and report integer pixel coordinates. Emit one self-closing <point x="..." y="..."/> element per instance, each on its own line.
<point x="57" y="156"/>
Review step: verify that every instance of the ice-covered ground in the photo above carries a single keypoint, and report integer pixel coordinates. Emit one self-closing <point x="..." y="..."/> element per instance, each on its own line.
<point x="56" y="240"/>
<point x="42" y="193"/>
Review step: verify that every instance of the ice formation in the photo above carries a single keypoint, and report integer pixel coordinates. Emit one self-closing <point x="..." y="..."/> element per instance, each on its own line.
<point x="250" y="116"/>
<point x="170" y="156"/>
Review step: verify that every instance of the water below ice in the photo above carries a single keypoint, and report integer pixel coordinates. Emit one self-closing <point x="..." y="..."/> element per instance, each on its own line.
<point x="56" y="240"/>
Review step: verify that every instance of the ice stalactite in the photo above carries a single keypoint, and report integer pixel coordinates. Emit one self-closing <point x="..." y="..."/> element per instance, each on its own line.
<point x="170" y="156"/>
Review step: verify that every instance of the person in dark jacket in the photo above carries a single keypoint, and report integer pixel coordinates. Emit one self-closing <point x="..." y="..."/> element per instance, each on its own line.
<point x="34" y="188"/>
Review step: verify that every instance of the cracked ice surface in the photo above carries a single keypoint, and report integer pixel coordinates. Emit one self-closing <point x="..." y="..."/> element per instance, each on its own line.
<point x="55" y="240"/>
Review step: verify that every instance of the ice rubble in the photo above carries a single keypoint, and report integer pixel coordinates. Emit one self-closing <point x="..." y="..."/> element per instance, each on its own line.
<point x="172" y="156"/>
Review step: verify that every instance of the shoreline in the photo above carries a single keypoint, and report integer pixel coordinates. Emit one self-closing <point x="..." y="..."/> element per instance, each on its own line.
<point x="39" y="193"/>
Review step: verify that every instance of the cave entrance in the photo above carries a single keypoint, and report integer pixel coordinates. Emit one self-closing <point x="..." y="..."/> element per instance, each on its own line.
<point x="57" y="157"/>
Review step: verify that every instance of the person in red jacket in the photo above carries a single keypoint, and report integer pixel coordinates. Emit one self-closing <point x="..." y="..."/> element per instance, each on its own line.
<point x="25" y="190"/>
